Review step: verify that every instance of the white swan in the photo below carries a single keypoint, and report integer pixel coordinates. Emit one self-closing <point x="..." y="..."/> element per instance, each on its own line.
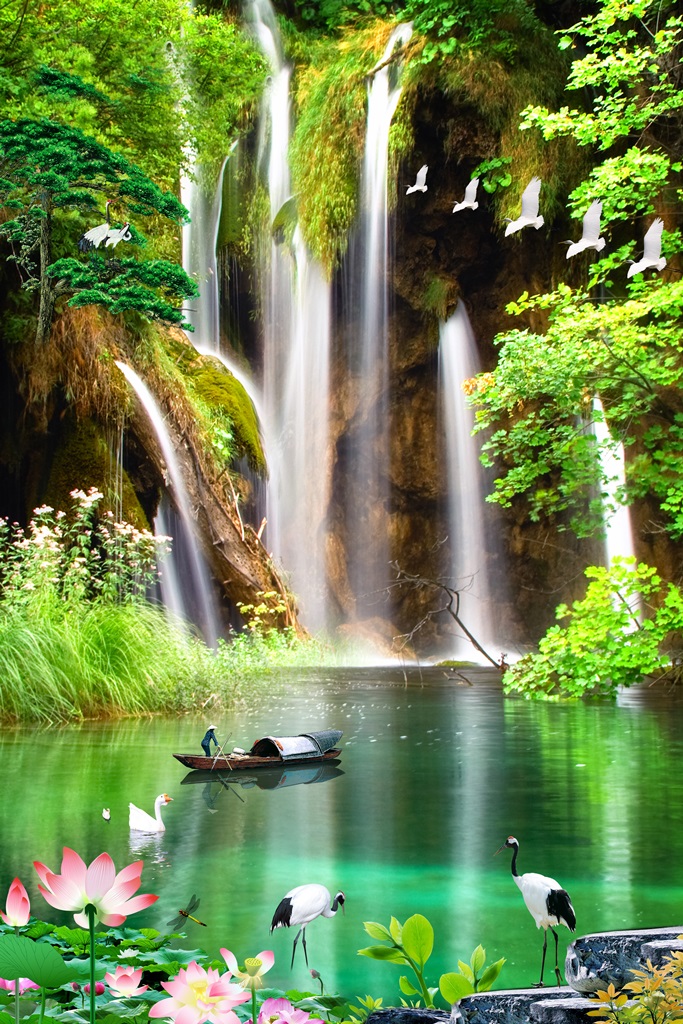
<point x="141" y="821"/>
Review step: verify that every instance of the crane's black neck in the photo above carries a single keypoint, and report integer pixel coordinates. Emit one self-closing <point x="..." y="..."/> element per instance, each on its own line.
<point x="513" y="864"/>
<point x="336" y="903"/>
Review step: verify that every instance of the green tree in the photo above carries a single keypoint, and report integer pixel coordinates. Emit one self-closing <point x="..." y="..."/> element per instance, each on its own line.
<point x="50" y="172"/>
<point x="615" y="338"/>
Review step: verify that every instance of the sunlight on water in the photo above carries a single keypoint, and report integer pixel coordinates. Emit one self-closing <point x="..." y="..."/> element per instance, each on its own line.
<point x="433" y="777"/>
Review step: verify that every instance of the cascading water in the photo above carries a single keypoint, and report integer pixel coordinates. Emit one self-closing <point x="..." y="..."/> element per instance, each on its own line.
<point x="368" y="486"/>
<point x="617" y="517"/>
<point x="458" y="361"/>
<point x="295" y="302"/>
<point x="199" y="254"/>
<point x="198" y="574"/>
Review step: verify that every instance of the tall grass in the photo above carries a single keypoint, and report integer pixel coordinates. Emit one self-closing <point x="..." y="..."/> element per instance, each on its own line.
<point x="79" y="640"/>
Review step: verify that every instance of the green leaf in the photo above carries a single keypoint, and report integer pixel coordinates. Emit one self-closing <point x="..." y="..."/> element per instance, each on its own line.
<point x="22" y="958"/>
<point x="377" y="931"/>
<point x="490" y="975"/>
<point x="478" y="959"/>
<point x="406" y="987"/>
<point x="418" y="938"/>
<point x="396" y="930"/>
<point x="388" y="953"/>
<point x="466" y="970"/>
<point x="454" y="986"/>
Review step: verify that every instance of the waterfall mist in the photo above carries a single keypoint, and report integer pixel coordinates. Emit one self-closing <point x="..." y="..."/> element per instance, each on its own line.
<point x="468" y="569"/>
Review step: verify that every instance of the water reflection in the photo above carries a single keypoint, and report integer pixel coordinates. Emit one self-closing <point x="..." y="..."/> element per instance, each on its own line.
<point x="433" y="777"/>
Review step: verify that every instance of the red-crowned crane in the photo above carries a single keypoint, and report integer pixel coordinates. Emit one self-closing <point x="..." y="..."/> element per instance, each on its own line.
<point x="111" y="237"/>
<point x="302" y="905"/>
<point x="547" y="902"/>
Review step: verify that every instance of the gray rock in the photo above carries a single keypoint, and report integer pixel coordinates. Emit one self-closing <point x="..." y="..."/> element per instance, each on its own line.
<point x="567" y="1010"/>
<point x="658" y="950"/>
<point x="593" y="961"/>
<point x="407" y="1015"/>
<point x="508" y="1006"/>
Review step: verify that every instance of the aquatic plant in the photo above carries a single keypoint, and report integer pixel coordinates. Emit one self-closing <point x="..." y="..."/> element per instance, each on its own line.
<point x="411" y="945"/>
<point x="198" y="994"/>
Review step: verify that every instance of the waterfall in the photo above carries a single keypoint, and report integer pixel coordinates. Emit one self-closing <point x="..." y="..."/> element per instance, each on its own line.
<point x="295" y="302"/>
<point x="198" y="578"/>
<point x="458" y="361"/>
<point x="169" y="580"/>
<point x="617" y="517"/>
<point x="368" y="490"/>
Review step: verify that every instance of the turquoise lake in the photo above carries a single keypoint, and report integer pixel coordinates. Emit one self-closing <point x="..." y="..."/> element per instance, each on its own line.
<point x="434" y="775"/>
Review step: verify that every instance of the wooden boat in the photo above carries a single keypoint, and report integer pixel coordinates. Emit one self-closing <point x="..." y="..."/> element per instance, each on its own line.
<point x="272" y="752"/>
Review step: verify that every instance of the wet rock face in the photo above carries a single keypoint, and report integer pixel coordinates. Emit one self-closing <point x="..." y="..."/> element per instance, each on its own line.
<point x="595" y="961"/>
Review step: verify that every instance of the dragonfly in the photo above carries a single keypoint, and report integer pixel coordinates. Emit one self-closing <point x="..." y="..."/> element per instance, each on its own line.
<point x="175" y="923"/>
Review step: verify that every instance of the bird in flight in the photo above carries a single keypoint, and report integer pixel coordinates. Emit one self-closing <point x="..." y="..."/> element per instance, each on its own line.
<point x="529" y="216"/>
<point x="652" y="254"/>
<point x="590" y="235"/>
<point x="419" y="185"/>
<point x="470" y="200"/>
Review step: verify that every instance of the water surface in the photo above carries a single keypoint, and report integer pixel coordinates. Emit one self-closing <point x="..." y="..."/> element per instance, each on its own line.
<point x="435" y="774"/>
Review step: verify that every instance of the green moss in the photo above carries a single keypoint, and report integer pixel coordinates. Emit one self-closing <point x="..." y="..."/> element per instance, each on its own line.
<point x="82" y="460"/>
<point x="439" y="297"/>
<point x="223" y="393"/>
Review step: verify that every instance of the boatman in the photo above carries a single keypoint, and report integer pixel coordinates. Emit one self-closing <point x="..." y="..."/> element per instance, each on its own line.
<point x="206" y="742"/>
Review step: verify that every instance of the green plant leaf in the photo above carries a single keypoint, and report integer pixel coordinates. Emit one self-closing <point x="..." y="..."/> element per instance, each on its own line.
<point x="388" y="953"/>
<point x="406" y="987"/>
<point x="418" y="938"/>
<point x="478" y="959"/>
<point x="454" y="986"/>
<point x="396" y="930"/>
<point x="22" y="958"/>
<point x="466" y="970"/>
<point x="377" y="931"/>
<point x="490" y="975"/>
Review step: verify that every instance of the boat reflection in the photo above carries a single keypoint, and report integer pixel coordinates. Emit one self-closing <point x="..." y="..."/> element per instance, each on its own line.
<point x="265" y="778"/>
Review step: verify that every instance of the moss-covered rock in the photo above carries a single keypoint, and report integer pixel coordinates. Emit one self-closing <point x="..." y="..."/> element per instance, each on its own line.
<point x="216" y="386"/>
<point x="83" y="459"/>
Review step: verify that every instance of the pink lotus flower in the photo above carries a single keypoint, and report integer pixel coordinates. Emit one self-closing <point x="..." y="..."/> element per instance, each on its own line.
<point x="99" y="989"/>
<point x="125" y="982"/>
<point x="18" y="909"/>
<point x="281" y="1011"/>
<point x="254" y="968"/>
<point x="98" y="885"/>
<point x="24" y="985"/>
<point x="198" y="995"/>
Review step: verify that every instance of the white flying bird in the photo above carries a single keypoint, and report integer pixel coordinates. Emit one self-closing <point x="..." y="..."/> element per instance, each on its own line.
<point x="419" y="185"/>
<point x="652" y="256"/>
<point x="590" y="237"/>
<point x="530" y="216"/>
<point x="469" y="202"/>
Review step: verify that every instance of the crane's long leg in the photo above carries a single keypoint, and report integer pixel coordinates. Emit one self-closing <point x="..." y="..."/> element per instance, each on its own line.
<point x="294" y="947"/>
<point x="557" y="968"/>
<point x="539" y="983"/>
<point x="303" y="942"/>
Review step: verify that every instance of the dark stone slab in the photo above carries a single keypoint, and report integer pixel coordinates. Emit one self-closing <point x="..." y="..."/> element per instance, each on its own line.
<point x="407" y="1015"/>
<point x="658" y="950"/>
<point x="593" y="961"/>
<point x="509" y="1006"/>
<point x="567" y="1010"/>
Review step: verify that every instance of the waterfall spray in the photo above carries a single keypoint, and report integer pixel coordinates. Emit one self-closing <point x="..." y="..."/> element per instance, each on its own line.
<point x="368" y="486"/>
<point x="198" y="572"/>
<point x="617" y="517"/>
<point x="458" y="361"/>
<point x="295" y="300"/>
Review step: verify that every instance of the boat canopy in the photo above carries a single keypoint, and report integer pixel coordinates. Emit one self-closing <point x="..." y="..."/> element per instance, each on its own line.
<point x="306" y="744"/>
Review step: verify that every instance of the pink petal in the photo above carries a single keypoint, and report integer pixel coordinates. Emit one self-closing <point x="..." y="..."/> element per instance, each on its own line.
<point x="81" y="920"/>
<point x="111" y="920"/>
<point x="42" y="870"/>
<point x="162" y="1009"/>
<point x="99" y="877"/>
<point x="267" y="958"/>
<point x="230" y="960"/>
<point x="18" y="905"/>
<point x="128" y="873"/>
<point x="188" y="1015"/>
<point x="118" y="894"/>
<point x="62" y="895"/>
<point x="74" y="867"/>
<point x="139" y="903"/>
